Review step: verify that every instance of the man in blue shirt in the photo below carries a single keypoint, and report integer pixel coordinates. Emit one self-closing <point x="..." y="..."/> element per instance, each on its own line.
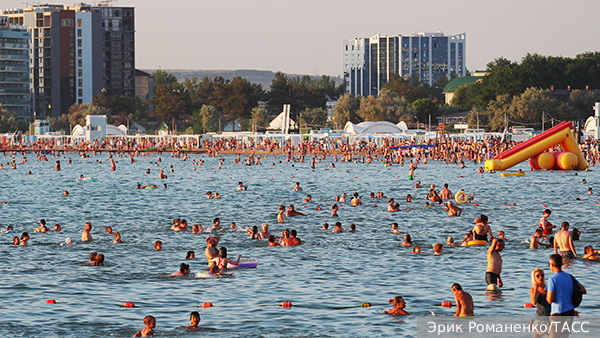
<point x="560" y="289"/>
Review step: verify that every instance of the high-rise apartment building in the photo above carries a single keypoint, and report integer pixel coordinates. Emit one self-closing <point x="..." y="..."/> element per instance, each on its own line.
<point x="77" y="52"/>
<point x="370" y="62"/>
<point x="14" y="68"/>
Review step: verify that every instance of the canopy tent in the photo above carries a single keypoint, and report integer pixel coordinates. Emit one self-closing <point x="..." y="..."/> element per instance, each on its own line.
<point x="379" y="127"/>
<point x="277" y="122"/>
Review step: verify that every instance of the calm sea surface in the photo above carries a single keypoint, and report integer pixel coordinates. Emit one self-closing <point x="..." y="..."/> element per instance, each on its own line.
<point x="326" y="279"/>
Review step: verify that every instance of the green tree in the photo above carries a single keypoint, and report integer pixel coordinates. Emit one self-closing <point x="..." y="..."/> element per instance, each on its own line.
<point x="10" y="122"/>
<point x="424" y="108"/>
<point x="260" y="117"/>
<point x="313" y="118"/>
<point x="207" y="120"/>
<point x="79" y="111"/>
<point x="581" y="105"/>
<point x="346" y="110"/>
<point x="280" y="93"/>
<point x="405" y="88"/>
<point x="161" y="77"/>
<point x="170" y="102"/>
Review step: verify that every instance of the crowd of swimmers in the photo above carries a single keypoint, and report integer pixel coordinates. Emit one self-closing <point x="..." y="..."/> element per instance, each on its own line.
<point x="218" y="260"/>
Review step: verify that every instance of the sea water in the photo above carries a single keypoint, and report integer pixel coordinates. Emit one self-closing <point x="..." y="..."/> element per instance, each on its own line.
<point x="326" y="279"/>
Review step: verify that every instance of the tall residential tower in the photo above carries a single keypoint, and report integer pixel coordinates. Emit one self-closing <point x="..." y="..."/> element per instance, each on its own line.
<point x="370" y="62"/>
<point x="77" y="52"/>
<point x="14" y="68"/>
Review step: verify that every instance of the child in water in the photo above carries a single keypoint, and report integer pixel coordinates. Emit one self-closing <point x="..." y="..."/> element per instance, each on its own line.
<point x="195" y="319"/>
<point x="399" y="305"/>
<point x="150" y="323"/>
<point x="590" y="253"/>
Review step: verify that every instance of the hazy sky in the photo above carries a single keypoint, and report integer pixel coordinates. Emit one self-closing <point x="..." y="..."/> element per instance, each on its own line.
<point x="305" y="37"/>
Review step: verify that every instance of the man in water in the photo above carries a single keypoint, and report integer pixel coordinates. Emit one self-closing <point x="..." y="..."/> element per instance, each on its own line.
<point x="297" y="187"/>
<point x="211" y="251"/>
<point x="494" y="264"/>
<point x="86" y="235"/>
<point x="464" y="301"/>
<point x="560" y="289"/>
<point x="453" y="210"/>
<point x="563" y="240"/>
<point x="446" y="194"/>
<point x="292" y="240"/>
<point x="292" y="212"/>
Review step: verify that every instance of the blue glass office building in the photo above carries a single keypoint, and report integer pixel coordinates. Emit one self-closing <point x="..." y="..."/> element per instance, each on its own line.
<point x="370" y="62"/>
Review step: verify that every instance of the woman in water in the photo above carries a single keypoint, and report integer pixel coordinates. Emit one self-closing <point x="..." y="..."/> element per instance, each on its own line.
<point x="253" y="233"/>
<point x="222" y="260"/>
<point x="407" y="240"/>
<point x="538" y="296"/>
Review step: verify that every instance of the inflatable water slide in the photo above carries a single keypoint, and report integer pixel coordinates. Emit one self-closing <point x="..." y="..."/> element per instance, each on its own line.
<point x="535" y="148"/>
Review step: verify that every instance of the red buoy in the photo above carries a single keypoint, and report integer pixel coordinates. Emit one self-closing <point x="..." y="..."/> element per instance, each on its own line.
<point x="286" y="304"/>
<point x="447" y="304"/>
<point x="528" y="305"/>
<point x="50" y="301"/>
<point x="207" y="304"/>
<point x="129" y="304"/>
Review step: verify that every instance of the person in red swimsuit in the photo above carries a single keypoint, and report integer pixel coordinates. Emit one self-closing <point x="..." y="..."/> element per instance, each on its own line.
<point x="545" y="225"/>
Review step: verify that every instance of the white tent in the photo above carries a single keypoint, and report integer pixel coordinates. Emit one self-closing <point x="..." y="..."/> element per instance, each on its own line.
<point x="277" y="123"/>
<point x="379" y="127"/>
<point x="111" y="130"/>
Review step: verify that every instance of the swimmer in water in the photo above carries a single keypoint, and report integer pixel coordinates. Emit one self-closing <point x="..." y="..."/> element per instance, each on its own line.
<point x="292" y="212"/>
<point x="265" y="234"/>
<point x="407" y="240"/>
<point x="109" y="230"/>
<point x="416" y="249"/>
<point x="438" y="248"/>
<point x="453" y="210"/>
<point x="221" y="261"/>
<point x="158" y="246"/>
<point x="418" y="185"/>
<point x="325" y="226"/>
<point x="297" y="187"/>
<point x="281" y="215"/>
<point x="217" y="224"/>
<point x="272" y="241"/>
<point x="16" y="241"/>
<point x="399" y="305"/>
<point x="117" y="238"/>
<point x="395" y="228"/>
<point x="150" y="323"/>
<point x="451" y="243"/>
<point x="184" y="270"/>
<point x="195" y="321"/>
<point x="335" y="209"/>
<point x="86" y="234"/>
<point x="590" y="253"/>
<point x="464" y="301"/>
<point x="338" y="228"/>
<point x="190" y="255"/>
<point x="307" y="199"/>
<point x="352" y="228"/>
<point x="253" y="233"/>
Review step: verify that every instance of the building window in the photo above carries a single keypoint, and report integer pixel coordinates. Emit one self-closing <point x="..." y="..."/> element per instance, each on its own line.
<point x="71" y="43"/>
<point x="78" y="22"/>
<point x="80" y="83"/>
<point x="79" y="63"/>
<point x="79" y="43"/>
<point x="80" y="92"/>
<point x="71" y="63"/>
<point x="66" y="22"/>
<point x="79" y="52"/>
<point x="79" y="33"/>
<point x="70" y="33"/>
<point x="80" y="72"/>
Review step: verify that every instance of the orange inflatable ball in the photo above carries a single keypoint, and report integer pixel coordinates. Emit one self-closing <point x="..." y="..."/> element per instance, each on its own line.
<point x="446" y="304"/>
<point x="50" y="301"/>
<point x="129" y="304"/>
<point x="286" y="304"/>
<point x="207" y="304"/>
<point x="365" y="305"/>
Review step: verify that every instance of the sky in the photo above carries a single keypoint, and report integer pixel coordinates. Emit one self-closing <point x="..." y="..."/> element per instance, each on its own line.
<point x="306" y="37"/>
